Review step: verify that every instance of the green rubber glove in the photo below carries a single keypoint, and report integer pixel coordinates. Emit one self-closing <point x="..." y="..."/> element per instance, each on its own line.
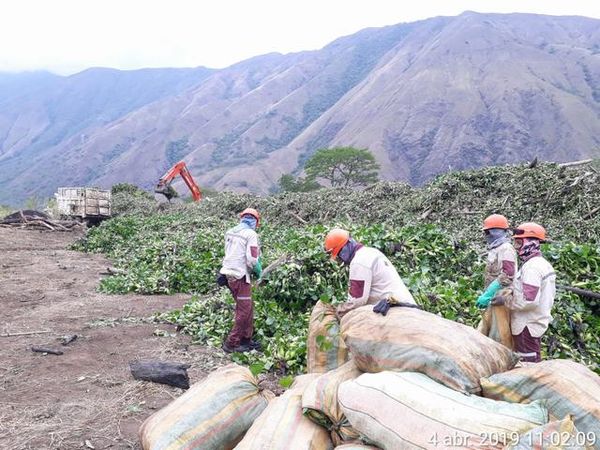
<point x="257" y="269"/>
<point x="484" y="299"/>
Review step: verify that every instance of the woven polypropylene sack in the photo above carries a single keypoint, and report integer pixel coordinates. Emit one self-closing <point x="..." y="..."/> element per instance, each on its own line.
<point x="325" y="349"/>
<point x="569" y="388"/>
<point x="282" y="425"/>
<point x="495" y="324"/>
<point x="417" y="341"/>
<point x="320" y="402"/>
<point x="556" y="435"/>
<point x="408" y="410"/>
<point x="356" y="446"/>
<point x="213" y="414"/>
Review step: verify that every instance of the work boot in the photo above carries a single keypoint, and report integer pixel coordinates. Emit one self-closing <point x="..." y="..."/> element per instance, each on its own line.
<point x="254" y="345"/>
<point x="238" y="349"/>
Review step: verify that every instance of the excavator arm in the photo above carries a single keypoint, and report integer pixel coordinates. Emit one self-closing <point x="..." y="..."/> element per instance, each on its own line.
<point x="164" y="184"/>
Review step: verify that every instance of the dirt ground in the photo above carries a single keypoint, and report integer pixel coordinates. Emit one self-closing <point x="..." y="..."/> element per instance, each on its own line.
<point x="87" y="397"/>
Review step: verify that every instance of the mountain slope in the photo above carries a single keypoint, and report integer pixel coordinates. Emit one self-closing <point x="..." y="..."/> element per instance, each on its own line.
<point x="447" y="92"/>
<point x="486" y="89"/>
<point x="40" y="111"/>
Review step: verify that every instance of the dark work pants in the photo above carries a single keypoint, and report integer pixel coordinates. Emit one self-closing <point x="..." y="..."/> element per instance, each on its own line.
<point x="527" y="346"/>
<point x="244" y="311"/>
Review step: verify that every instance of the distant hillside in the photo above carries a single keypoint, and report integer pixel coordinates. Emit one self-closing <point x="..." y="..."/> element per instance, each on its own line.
<point x="425" y="97"/>
<point x="39" y="111"/>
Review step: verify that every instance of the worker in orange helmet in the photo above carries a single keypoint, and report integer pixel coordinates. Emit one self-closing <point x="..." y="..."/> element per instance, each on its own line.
<point x="242" y="257"/>
<point x="532" y="294"/>
<point x="502" y="257"/>
<point x="372" y="280"/>
<point x="500" y="269"/>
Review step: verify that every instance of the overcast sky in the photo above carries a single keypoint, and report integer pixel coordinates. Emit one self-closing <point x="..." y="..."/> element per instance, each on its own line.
<point x="66" y="36"/>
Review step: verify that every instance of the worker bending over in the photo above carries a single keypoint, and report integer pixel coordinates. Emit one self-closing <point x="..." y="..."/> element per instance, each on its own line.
<point x="372" y="278"/>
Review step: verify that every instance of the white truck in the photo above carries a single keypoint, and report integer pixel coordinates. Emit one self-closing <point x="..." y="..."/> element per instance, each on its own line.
<point x="91" y="205"/>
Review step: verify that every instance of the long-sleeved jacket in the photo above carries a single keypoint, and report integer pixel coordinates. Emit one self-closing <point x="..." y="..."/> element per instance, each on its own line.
<point x="501" y="260"/>
<point x="532" y="297"/>
<point x="242" y="250"/>
<point x="372" y="277"/>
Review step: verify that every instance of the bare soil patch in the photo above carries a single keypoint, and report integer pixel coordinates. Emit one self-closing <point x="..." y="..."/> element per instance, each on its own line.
<point x="85" y="397"/>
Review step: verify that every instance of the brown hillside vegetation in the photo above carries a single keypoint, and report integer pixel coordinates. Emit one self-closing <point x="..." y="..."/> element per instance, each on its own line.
<point x="425" y="97"/>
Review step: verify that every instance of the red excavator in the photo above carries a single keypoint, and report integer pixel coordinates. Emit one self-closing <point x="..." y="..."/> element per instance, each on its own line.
<point x="164" y="184"/>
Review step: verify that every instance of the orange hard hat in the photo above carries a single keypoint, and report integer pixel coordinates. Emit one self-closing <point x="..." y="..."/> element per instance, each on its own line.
<point x="495" y="221"/>
<point x="531" y="230"/>
<point x="335" y="240"/>
<point x="252" y="212"/>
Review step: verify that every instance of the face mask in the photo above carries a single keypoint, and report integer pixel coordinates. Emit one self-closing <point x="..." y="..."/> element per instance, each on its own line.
<point x="529" y="248"/>
<point x="347" y="251"/>
<point x="495" y="237"/>
<point x="250" y="221"/>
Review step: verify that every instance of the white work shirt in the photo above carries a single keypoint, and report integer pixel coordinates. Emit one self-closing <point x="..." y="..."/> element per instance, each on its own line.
<point x="502" y="259"/>
<point x="534" y="289"/>
<point x="241" y="252"/>
<point x="372" y="278"/>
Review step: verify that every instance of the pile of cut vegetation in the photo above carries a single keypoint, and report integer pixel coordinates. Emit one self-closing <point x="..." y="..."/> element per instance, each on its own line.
<point x="566" y="200"/>
<point x="431" y="234"/>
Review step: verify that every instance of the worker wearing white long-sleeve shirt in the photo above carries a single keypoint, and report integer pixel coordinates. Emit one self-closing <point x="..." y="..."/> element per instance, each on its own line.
<point x="532" y="295"/>
<point x="501" y="261"/>
<point x="242" y="257"/>
<point x="372" y="276"/>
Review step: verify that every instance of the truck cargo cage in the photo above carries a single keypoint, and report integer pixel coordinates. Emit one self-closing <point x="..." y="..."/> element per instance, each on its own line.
<point x="89" y="204"/>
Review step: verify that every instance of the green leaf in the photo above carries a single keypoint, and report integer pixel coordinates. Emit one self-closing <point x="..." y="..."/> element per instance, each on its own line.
<point x="286" y="381"/>
<point x="257" y="368"/>
<point x="325" y="298"/>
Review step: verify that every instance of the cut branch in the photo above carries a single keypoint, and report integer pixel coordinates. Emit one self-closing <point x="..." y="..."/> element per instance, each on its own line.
<point x="50" y="351"/>
<point x="300" y="219"/>
<point x="579" y="291"/>
<point x="576" y="163"/>
<point x="25" y="333"/>
<point x="591" y="213"/>
<point x="425" y="215"/>
<point x="43" y="223"/>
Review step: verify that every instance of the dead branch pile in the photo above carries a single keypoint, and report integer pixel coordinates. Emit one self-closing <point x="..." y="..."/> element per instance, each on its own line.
<point x="37" y="220"/>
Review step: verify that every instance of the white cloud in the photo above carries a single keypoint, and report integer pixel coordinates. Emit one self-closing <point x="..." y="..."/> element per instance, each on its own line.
<point x="69" y="35"/>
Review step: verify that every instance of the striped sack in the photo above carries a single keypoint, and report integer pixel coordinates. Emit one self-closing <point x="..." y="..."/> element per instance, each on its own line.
<point x="417" y="341"/>
<point x="408" y="410"/>
<point x="213" y="414"/>
<point x="355" y="446"/>
<point x="320" y="402"/>
<point x="495" y="324"/>
<point x="325" y="348"/>
<point x="556" y="435"/>
<point x="282" y="426"/>
<point x="567" y="386"/>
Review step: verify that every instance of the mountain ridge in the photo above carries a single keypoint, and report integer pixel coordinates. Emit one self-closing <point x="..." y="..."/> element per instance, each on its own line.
<point x="428" y="96"/>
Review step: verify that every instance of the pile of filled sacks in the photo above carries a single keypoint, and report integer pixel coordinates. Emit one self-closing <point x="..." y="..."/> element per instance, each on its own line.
<point x="407" y="380"/>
